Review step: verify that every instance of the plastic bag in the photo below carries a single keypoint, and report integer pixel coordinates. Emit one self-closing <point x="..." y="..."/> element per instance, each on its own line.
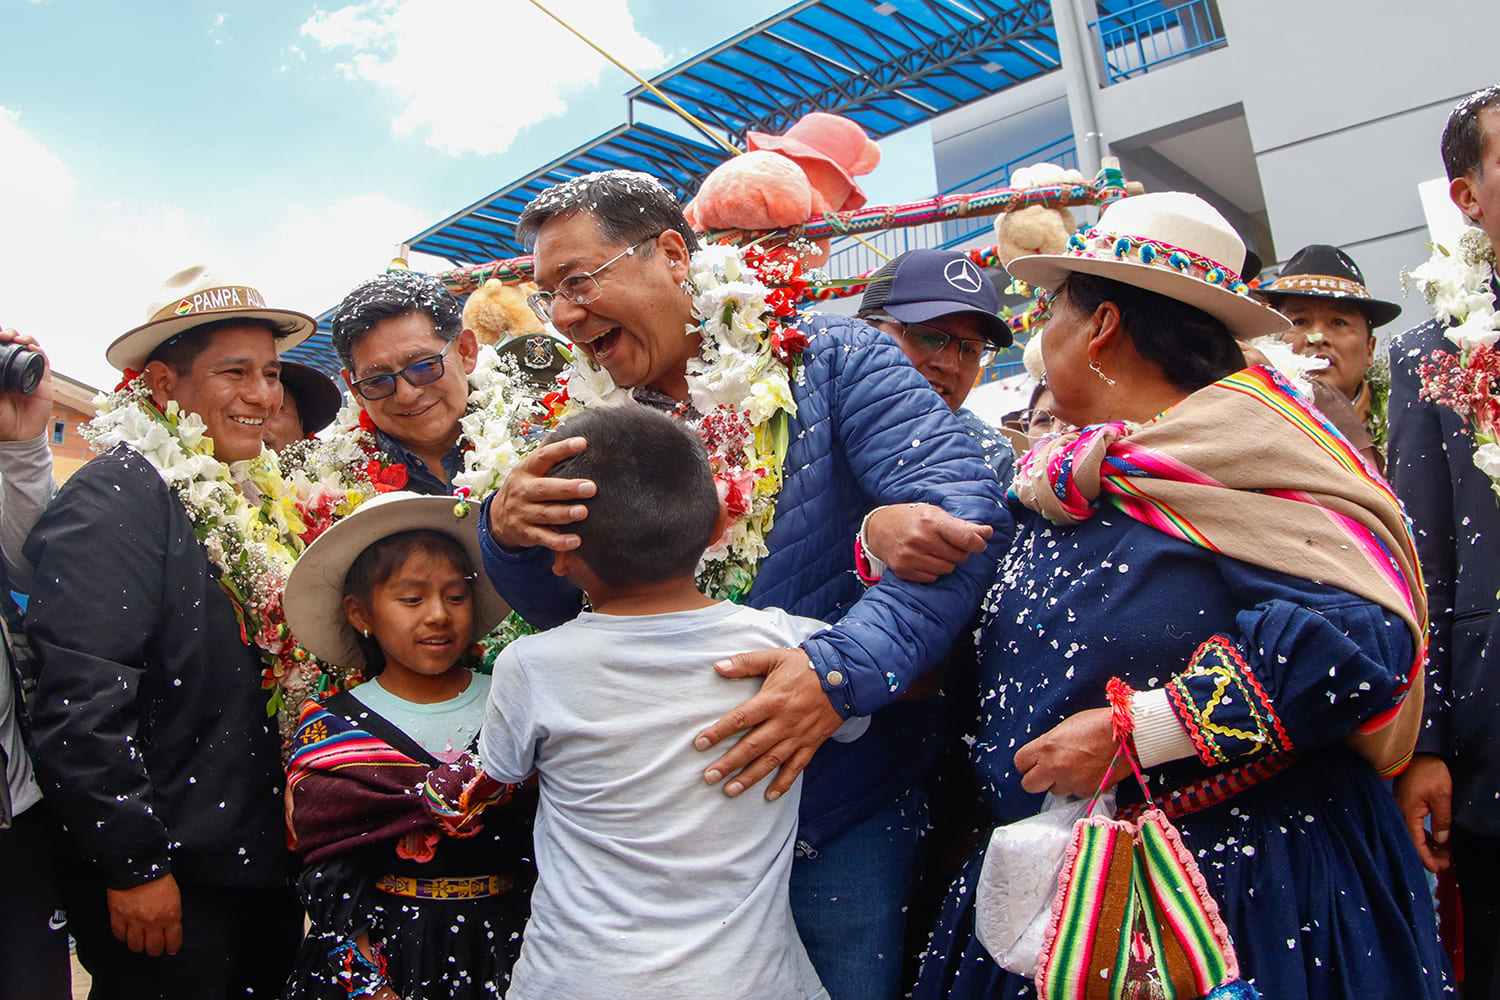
<point x="1018" y="882"/>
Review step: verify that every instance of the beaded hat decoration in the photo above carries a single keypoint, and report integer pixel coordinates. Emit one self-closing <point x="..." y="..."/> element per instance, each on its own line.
<point x="1171" y="243"/>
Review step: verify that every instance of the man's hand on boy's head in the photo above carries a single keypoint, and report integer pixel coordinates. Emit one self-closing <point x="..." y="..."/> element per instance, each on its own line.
<point x="787" y="720"/>
<point x="529" y="503"/>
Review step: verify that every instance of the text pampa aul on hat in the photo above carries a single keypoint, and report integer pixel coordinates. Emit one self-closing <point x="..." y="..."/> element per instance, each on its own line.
<point x="195" y="296"/>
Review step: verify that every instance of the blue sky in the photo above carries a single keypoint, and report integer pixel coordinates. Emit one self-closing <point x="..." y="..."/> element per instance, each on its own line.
<point x="289" y="145"/>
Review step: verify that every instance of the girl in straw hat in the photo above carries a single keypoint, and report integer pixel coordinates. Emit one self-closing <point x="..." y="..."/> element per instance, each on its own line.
<point x="418" y="867"/>
<point x="1210" y="570"/>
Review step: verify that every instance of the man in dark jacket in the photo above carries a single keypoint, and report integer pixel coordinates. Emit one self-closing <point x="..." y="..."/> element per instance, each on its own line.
<point x="1454" y="776"/>
<point x="154" y="745"/>
<point x="612" y="259"/>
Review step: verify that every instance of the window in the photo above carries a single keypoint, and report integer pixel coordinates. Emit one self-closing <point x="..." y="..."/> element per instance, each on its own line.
<point x="59" y="428"/>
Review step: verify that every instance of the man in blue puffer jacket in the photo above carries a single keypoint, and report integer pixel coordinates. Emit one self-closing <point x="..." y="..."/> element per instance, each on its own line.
<point x="869" y="437"/>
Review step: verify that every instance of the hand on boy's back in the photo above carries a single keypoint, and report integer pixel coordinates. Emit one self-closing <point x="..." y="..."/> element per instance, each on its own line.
<point x="921" y="542"/>
<point x="529" y="505"/>
<point x="787" y="720"/>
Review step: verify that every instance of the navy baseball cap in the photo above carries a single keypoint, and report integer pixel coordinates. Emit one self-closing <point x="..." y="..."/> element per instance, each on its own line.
<point x="921" y="285"/>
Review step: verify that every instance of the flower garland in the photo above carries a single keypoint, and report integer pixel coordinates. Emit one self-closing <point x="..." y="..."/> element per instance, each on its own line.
<point x="1459" y="288"/>
<point x="252" y="520"/>
<point x="739" y="394"/>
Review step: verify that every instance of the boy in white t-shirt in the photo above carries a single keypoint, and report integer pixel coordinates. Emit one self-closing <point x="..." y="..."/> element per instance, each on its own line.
<point x="651" y="882"/>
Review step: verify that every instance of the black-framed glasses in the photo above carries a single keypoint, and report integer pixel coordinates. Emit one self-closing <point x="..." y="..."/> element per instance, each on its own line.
<point x="580" y="289"/>
<point x="420" y="372"/>
<point x="929" y="341"/>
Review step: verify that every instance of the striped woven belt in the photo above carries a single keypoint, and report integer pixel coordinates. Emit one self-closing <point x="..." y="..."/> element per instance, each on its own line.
<point x="445" y="888"/>
<point x="1211" y="791"/>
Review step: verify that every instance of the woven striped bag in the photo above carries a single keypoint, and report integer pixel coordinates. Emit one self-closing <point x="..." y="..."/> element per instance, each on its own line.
<point x="1133" y="918"/>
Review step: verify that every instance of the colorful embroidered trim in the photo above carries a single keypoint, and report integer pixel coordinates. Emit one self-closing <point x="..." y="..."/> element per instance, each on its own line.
<point x="1154" y="253"/>
<point x="358" y="975"/>
<point x="1317" y="283"/>
<point x="1216" y="680"/>
<point x="1214" y="789"/>
<point x="445" y="888"/>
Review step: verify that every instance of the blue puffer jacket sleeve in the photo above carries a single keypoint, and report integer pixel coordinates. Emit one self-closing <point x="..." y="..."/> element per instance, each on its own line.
<point x="525" y="579"/>
<point x="869" y="431"/>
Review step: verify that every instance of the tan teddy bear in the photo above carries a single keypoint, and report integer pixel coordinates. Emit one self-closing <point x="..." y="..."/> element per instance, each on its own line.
<point x="498" y="312"/>
<point x="1036" y="228"/>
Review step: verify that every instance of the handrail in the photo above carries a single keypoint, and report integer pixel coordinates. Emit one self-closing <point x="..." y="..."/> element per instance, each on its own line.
<point x="1150" y="33"/>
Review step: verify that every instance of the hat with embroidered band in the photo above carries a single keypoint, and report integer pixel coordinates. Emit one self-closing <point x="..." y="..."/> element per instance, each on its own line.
<point x="921" y="285"/>
<point x="314" y="595"/>
<point x="1171" y="243"/>
<point x="193" y="297"/>
<point x="1321" y="271"/>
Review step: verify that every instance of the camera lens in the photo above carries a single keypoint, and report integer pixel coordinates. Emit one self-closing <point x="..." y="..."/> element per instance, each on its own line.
<point x="20" y="369"/>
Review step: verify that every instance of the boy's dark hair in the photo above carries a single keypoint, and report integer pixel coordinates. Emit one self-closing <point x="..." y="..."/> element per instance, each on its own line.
<point x="630" y="207"/>
<point x="391" y="296"/>
<point x="1192" y="348"/>
<point x="656" y="505"/>
<point x="178" y="353"/>
<point x="1463" y="136"/>
<point x="379" y="562"/>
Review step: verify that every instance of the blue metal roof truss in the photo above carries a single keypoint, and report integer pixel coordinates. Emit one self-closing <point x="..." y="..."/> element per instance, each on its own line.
<point x="485" y="231"/>
<point x="887" y="65"/>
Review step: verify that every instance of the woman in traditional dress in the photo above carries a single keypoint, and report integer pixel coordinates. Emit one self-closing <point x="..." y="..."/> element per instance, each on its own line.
<point x="1209" y="540"/>
<point x="418" y="867"/>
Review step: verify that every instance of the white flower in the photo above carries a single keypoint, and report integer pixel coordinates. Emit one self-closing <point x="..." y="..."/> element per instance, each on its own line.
<point x="1487" y="458"/>
<point x="1295" y="368"/>
<point x="1477" y="328"/>
<point x="592" y="386"/>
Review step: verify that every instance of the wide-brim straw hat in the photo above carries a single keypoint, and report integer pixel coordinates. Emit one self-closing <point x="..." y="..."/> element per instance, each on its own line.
<point x="1171" y="243"/>
<point x="192" y="297"/>
<point x="314" y="596"/>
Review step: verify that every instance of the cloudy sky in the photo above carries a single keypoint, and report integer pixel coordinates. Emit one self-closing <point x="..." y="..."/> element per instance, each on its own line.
<point x="285" y="144"/>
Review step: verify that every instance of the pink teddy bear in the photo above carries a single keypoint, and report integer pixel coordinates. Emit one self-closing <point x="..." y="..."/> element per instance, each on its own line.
<point x="787" y="179"/>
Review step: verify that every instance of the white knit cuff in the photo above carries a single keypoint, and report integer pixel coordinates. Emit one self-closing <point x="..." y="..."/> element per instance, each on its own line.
<point x="1158" y="735"/>
<point x="876" y="564"/>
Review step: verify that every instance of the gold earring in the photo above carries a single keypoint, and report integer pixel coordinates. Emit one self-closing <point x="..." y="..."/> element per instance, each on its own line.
<point x="1094" y="367"/>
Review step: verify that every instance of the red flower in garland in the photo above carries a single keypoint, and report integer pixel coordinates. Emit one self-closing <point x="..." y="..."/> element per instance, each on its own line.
<point x="554" y="402"/>
<point x="386" y="478"/>
<point x="734" y="488"/>
<point x="788" y="344"/>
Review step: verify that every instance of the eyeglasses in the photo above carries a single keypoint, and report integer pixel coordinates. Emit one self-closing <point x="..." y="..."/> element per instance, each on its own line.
<point x="930" y="342"/>
<point x="422" y="371"/>
<point x="1037" y="419"/>
<point x="580" y="289"/>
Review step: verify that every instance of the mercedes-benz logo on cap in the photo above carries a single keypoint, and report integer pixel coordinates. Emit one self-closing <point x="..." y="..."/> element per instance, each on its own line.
<point x="963" y="275"/>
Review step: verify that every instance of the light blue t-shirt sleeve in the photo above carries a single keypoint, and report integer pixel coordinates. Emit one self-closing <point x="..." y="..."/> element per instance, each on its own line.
<point x="801" y="629"/>
<point x="507" y="744"/>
